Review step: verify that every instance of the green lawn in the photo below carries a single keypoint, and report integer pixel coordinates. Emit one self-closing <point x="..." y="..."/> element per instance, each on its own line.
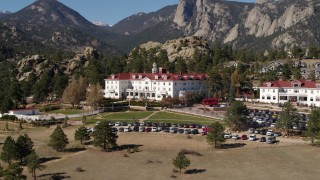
<point x="179" y="118"/>
<point x="126" y="115"/>
<point x="207" y="122"/>
<point x="176" y="116"/>
<point x="67" y="111"/>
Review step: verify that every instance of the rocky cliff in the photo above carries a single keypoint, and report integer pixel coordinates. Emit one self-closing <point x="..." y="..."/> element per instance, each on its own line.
<point x="264" y="24"/>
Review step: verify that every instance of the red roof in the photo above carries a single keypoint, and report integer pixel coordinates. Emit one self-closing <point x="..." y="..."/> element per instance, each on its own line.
<point x="287" y="84"/>
<point x="161" y="76"/>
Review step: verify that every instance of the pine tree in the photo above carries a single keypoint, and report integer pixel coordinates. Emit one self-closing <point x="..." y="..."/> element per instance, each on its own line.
<point x="9" y="150"/>
<point x="235" y="117"/>
<point x="81" y="134"/>
<point x="181" y="161"/>
<point x="34" y="163"/>
<point x="24" y="146"/>
<point x="216" y="134"/>
<point x="13" y="172"/>
<point x="288" y="116"/>
<point x="58" y="139"/>
<point x="313" y="128"/>
<point x="103" y="136"/>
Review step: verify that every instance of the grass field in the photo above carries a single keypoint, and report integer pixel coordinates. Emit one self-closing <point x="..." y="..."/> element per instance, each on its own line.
<point x="126" y="115"/>
<point x="179" y="118"/>
<point x="157" y="150"/>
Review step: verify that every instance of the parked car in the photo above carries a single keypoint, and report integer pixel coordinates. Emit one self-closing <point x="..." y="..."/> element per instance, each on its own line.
<point x="166" y="130"/>
<point x="117" y="124"/>
<point x="136" y="124"/>
<point x="135" y="129"/>
<point x="257" y="131"/>
<point x="276" y="134"/>
<point x="148" y="129"/>
<point x="142" y="124"/>
<point x="173" y="130"/>
<point x="271" y="140"/>
<point x="235" y="136"/>
<point x="227" y="135"/>
<point x="159" y="128"/>
<point x="180" y="131"/>
<point x="187" y="131"/>
<point x="244" y="137"/>
<point x="127" y="129"/>
<point x="273" y="125"/>
<point x="251" y="130"/>
<point x="141" y="129"/>
<point x="154" y="129"/>
<point x="263" y="132"/>
<point x="252" y="137"/>
<point x="121" y="129"/>
<point x="270" y="133"/>
<point x="263" y="139"/>
<point x="194" y="131"/>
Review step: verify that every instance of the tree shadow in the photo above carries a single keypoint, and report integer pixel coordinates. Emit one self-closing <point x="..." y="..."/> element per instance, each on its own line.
<point x="75" y="149"/>
<point x="56" y="176"/>
<point x="194" y="171"/>
<point x="232" y="146"/>
<point x="46" y="159"/>
<point x="124" y="147"/>
<point x="88" y="143"/>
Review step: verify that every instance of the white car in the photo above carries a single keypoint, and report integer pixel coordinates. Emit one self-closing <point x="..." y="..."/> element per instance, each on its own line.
<point x="154" y="129"/>
<point x="252" y="137"/>
<point x="126" y="129"/>
<point x="261" y="121"/>
<point x="142" y="124"/>
<point x="141" y="129"/>
<point x="273" y="125"/>
<point x="270" y="133"/>
<point x="227" y="135"/>
<point x="235" y="136"/>
<point x="117" y="124"/>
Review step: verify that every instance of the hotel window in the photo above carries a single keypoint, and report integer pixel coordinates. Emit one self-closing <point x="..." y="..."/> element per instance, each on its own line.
<point x="274" y="98"/>
<point x="311" y="98"/>
<point x="274" y="91"/>
<point x="263" y="90"/>
<point x="262" y="97"/>
<point x="311" y="91"/>
<point x="268" y="97"/>
<point x="296" y="91"/>
<point x="116" y="94"/>
<point x="169" y="89"/>
<point x="107" y="82"/>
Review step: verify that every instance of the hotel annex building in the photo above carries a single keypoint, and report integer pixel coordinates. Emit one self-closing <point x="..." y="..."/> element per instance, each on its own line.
<point x="304" y="92"/>
<point x="153" y="86"/>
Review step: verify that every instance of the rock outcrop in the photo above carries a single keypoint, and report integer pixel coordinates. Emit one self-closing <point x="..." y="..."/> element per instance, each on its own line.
<point x="183" y="47"/>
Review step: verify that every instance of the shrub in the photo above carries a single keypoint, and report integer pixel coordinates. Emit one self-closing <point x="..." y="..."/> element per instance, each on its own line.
<point x="9" y="117"/>
<point x="191" y="152"/>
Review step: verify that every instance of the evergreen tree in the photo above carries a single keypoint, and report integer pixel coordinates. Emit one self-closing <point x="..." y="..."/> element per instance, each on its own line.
<point x="313" y="128"/>
<point x="34" y="163"/>
<point x="13" y="172"/>
<point x="24" y="146"/>
<point x="181" y="161"/>
<point x="103" y="136"/>
<point x="81" y="134"/>
<point x="288" y="116"/>
<point x="286" y="71"/>
<point x="58" y="139"/>
<point x="216" y="134"/>
<point x="235" y="117"/>
<point x="9" y="150"/>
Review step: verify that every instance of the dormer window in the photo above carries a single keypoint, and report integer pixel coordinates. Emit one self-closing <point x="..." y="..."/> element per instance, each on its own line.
<point x="133" y="76"/>
<point x="203" y="77"/>
<point x="164" y="77"/>
<point x="156" y="77"/>
<point x="179" y="77"/>
<point x="140" y="76"/>
<point x="318" y="85"/>
<point x="112" y="76"/>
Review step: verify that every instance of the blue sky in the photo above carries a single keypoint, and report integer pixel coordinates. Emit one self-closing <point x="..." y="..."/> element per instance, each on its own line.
<point x="109" y="11"/>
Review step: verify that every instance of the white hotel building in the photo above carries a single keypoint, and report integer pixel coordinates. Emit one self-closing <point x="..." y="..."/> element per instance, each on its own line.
<point x="304" y="92"/>
<point x="153" y="86"/>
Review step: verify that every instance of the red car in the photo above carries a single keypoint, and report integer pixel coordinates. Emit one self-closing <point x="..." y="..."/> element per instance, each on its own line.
<point x="244" y="137"/>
